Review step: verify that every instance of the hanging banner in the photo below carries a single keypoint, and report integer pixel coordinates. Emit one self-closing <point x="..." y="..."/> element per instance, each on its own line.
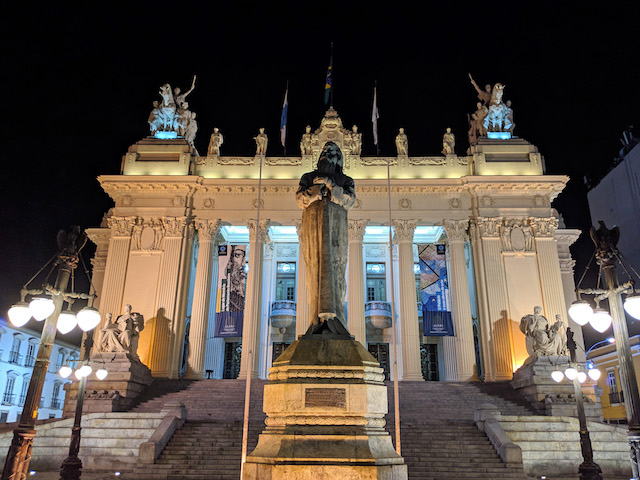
<point x="232" y="279"/>
<point x="434" y="291"/>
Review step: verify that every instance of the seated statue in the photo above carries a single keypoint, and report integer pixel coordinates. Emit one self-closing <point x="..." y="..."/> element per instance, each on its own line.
<point x="544" y="339"/>
<point x="121" y="335"/>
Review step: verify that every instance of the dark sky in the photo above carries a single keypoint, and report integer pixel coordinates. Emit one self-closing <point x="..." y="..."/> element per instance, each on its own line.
<point x="79" y="85"/>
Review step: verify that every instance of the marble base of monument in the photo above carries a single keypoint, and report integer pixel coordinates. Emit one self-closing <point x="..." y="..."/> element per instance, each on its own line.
<point x="126" y="379"/>
<point x="325" y="406"/>
<point x="533" y="381"/>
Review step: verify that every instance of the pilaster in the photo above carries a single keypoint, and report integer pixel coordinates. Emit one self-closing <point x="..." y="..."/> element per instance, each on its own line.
<point x="207" y="232"/>
<point x="101" y="238"/>
<point x="461" y="304"/>
<point x="302" y="299"/>
<point x="355" y="298"/>
<point x="411" y="370"/>
<point x="253" y="300"/>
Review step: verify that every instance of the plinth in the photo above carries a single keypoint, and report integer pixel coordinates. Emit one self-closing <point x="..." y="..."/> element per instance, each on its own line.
<point x="127" y="378"/>
<point x="325" y="406"/>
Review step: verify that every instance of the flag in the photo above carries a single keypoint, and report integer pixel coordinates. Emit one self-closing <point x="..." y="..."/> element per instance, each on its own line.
<point x="374" y="116"/>
<point x="327" y="83"/>
<point x="283" y="117"/>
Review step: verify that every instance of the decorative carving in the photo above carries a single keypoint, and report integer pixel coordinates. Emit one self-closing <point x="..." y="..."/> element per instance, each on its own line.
<point x="486" y="201"/>
<point x="456" y="229"/>
<point x="455" y="203"/>
<point x="263" y="230"/>
<point x="567" y="265"/>
<point x="236" y="160"/>
<point x="261" y="143"/>
<point x="126" y="200"/>
<point x="356" y="230"/>
<point x="215" y="143"/>
<point x="358" y="204"/>
<point x="121" y="226"/>
<point x="375" y="251"/>
<point x="355" y="141"/>
<point x="488" y="226"/>
<point x="402" y="143"/>
<point x="171" y="117"/>
<point x="147" y="235"/>
<point x="516" y="235"/>
<point x="208" y="203"/>
<point x="306" y="143"/>
<point x="269" y="249"/>
<point x="448" y="143"/>
<point x="174" y="226"/>
<point x="285" y="250"/>
<point x="122" y="334"/>
<point x="207" y="229"/>
<point x="177" y="201"/>
<point x="544" y="339"/>
<point x="100" y="263"/>
<point x="544" y="227"/>
<point x="436" y="161"/>
<point x="405" y="229"/>
<point x="254" y="203"/>
<point x="405" y="203"/>
<point x="283" y="161"/>
<point x="538" y="201"/>
<point x="378" y="161"/>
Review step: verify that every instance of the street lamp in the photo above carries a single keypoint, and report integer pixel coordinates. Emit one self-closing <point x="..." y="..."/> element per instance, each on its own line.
<point x="47" y="302"/>
<point x="588" y="469"/>
<point x="607" y="256"/>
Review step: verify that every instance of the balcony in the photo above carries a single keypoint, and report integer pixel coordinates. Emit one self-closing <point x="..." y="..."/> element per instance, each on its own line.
<point x="21" y="400"/>
<point x="377" y="314"/>
<point x="8" y="399"/>
<point x="616" y="397"/>
<point x="55" y="404"/>
<point x="29" y="361"/>
<point x="283" y="313"/>
<point x="15" y="358"/>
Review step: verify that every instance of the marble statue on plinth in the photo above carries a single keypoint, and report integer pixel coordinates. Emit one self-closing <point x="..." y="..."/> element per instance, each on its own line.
<point x="448" y="143"/>
<point x="261" y="143"/>
<point x="544" y="339"/>
<point x="402" y="143"/>
<point x="215" y="143"/>
<point x="325" y="195"/>
<point x="171" y="116"/>
<point x="306" y="143"/>
<point x="121" y="335"/>
<point x="355" y="141"/>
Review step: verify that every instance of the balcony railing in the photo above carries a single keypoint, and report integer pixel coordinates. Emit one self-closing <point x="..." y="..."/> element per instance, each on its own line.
<point x="22" y="399"/>
<point x="378" y="314"/>
<point x="616" y="397"/>
<point x="8" y="399"/>
<point x="283" y="313"/>
<point x="55" y="404"/>
<point x="29" y="361"/>
<point x="15" y="357"/>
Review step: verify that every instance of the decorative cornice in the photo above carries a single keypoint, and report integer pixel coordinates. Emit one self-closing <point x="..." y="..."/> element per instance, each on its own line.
<point x="405" y="229"/>
<point x="99" y="236"/>
<point x="121" y="226"/>
<point x="236" y="160"/>
<point x="207" y="229"/>
<point x="439" y="161"/>
<point x="378" y="161"/>
<point x="283" y="161"/>
<point x="456" y="229"/>
<point x="99" y="263"/>
<point x="356" y="230"/>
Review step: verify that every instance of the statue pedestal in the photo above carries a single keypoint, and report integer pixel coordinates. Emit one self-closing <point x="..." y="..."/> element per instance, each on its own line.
<point x="127" y="378"/>
<point x="325" y="407"/>
<point x="533" y="381"/>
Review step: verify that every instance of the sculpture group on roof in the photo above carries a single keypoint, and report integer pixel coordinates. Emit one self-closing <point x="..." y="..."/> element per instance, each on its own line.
<point x="492" y="114"/>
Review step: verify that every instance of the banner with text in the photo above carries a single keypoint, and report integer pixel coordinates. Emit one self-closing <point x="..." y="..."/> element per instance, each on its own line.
<point x="232" y="279"/>
<point x="434" y="291"/>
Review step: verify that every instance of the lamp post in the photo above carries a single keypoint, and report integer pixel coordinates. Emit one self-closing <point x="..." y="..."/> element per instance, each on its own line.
<point x="16" y="465"/>
<point x="607" y="256"/>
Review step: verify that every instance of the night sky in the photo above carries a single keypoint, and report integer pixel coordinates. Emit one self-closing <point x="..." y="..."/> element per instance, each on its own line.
<point x="79" y="85"/>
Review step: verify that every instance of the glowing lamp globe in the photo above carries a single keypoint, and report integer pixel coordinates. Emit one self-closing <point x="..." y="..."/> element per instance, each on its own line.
<point x="101" y="374"/>
<point x="594" y="374"/>
<point x="557" y="376"/>
<point x="67" y="321"/>
<point x="580" y="312"/>
<point x="571" y="373"/>
<point x="41" y="308"/>
<point x="582" y="377"/>
<point x="632" y="305"/>
<point x="600" y="320"/>
<point x="19" y="314"/>
<point x="86" y="370"/>
<point x="65" y="371"/>
<point x="88" y="318"/>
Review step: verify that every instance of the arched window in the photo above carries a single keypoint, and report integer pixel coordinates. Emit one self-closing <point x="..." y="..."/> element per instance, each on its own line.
<point x="62" y="356"/>
<point x="73" y="360"/>
<point x="32" y="349"/>
<point x="9" y="397"/>
<point x="14" y="355"/>
<point x="25" y="387"/>
<point x="55" y="396"/>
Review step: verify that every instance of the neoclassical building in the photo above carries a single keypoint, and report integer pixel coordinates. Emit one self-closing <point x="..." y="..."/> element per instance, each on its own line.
<point x="488" y="213"/>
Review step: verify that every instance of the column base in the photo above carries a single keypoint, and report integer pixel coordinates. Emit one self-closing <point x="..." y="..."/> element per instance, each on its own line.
<point x="412" y="377"/>
<point x="192" y="375"/>
<point x="243" y="375"/>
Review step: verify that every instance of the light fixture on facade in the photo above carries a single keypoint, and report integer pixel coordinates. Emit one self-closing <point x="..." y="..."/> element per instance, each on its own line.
<point x="88" y="318"/>
<point x="41" y="308"/>
<point x="571" y="373"/>
<point x="600" y="320"/>
<point x="19" y="314"/>
<point x="101" y="373"/>
<point x="65" y="371"/>
<point x="632" y="305"/>
<point x="557" y="376"/>
<point x="66" y="321"/>
<point x="594" y="374"/>
<point x="580" y="312"/>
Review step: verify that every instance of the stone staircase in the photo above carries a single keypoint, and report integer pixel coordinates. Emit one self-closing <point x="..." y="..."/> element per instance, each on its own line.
<point x="439" y="438"/>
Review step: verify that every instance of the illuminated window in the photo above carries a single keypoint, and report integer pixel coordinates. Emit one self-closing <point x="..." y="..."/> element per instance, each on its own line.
<point x="376" y="282"/>
<point x="286" y="281"/>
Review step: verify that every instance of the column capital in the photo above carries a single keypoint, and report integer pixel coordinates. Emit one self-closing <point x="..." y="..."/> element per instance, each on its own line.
<point x="207" y="229"/>
<point x="121" y="226"/>
<point x="543" y="226"/>
<point x="356" y="230"/>
<point x="405" y="229"/>
<point x="174" y="226"/>
<point x="489" y="227"/>
<point x="456" y="229"/>
<point x="261" y="232"/>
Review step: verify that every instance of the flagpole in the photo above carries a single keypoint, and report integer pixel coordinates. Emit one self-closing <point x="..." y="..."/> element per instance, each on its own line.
<point x="331" y="92"/>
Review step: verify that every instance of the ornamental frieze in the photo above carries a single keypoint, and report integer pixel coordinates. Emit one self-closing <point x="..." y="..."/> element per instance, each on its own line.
<point x="121" y="226"/>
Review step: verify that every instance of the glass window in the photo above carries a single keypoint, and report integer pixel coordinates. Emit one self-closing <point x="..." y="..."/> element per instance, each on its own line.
<point x="611" y="381"/>
<point x="376" y="285"/>
<point x="286" y="281"/>
<point x="375" y="269"/>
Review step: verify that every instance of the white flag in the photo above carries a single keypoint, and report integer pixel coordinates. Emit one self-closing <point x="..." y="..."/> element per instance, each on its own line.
<point x="374" y="116"/>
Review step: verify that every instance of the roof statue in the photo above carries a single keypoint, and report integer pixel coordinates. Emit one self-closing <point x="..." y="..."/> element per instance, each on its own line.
<point x="448" y="143"/>
<point x="493" y="118"/>
<point x="402" y="143"/>
<point x="171" y="117"/>
<point x="261" y="143"/>
<point x="306" y="142"/>
<point x="215" y="143"/>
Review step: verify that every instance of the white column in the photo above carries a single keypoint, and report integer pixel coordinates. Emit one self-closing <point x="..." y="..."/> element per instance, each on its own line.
<point x="355" y="299"/>
<point x="214" y="352"/>
<point x="167" y="323"/>
<point x="460" y="301"/>
<point x="450" y="355"/>
<point x="253" y="300"/>
<point x="494" y="321"/>
<point x="302" y="300"/>
<point x="412" y="370"/>
<point x="207" y="231"/>
<point x="549" y="268"/>
<point x="268" y="294"/>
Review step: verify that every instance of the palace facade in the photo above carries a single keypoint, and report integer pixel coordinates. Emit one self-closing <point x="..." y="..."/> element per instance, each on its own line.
<point x="179" y="217"/>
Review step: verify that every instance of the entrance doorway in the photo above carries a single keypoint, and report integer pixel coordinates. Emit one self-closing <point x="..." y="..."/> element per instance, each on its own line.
<point x="429" y="361"/>
<point x="380" y="351"/>
<point x="232" y="354"/>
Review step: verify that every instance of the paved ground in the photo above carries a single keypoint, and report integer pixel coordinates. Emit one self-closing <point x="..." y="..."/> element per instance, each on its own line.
<point x="86" y="475"/>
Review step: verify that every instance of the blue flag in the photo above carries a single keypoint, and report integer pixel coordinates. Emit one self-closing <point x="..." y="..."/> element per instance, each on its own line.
<point x="283" y="117"/>
<point x="327" y="83"/>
